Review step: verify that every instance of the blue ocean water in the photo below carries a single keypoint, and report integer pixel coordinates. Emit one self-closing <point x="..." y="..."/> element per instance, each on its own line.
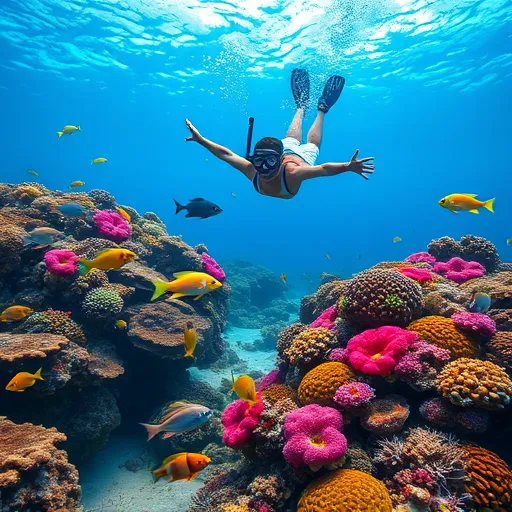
<point x="427" y="94"/>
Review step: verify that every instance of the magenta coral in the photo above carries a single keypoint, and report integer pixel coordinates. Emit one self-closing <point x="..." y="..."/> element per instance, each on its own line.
<point x="353" y="395"/>
<point x="338" y="354"/>
<point x="459" y="270"/>
<point x="326" y="319"/>
<point x="61" y="262"/>
<point x="378" y="351"/>
<point x="421" y="275"/>
<point x="313" y="436"/>
<point x="475" y="322"/>
<point x="272" y="377"/>
<point x="421" y="257"/>
<point x="111" y="225"/>
<point x="211" y="267"/>
<point x="239" y="420"/>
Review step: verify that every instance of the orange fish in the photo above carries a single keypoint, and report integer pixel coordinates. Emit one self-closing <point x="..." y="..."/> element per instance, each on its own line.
<point x="109" y="259"/>
<point x="283" y="277"/>
<point x="245" y="388"/>
<point x="182" y="466"/>
<point x="15" y="313"/>
<point x="190" y="340"/>
<point x="23" y="380"/>
<point x="123" y="213"/>
<point x="465" y="203"/>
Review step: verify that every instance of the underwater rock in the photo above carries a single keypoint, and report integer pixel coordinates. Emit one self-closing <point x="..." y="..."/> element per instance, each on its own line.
<point x="327" y="295"/>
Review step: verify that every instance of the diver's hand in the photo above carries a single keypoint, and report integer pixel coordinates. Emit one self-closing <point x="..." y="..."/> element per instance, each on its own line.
<point x="360" y="166"/>
<point x="195" y="135"/>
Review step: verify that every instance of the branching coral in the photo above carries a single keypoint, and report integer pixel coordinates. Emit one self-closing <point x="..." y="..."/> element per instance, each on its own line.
<point x="353" y="395"/>
<point x="61" y="262"/>
<point x="476" y="323"/>
<point x="102" y="303"/>
<point x="385" y="415"/>
<point x="441" y="412"/>
<point x="310" y="347"/>
<point x="459" y="270"/>
<point x="239" y="420"/>
<point x="112" y="225"/>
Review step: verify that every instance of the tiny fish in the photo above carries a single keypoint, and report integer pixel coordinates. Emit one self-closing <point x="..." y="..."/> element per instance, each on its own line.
<point x="245" y="388"/>
<point x="71" y="209"/>
<point x="15" y="313"/>
<point x="396" y="239"/>
<point x="191" y="284"/>
<point x="121" y="324"/>
<point x="100" y="160"/>
<point x="108" y="259"/>
<point x="327" y="257"/>
<point x="306" y="275"/>
<point x="23" y="380"/>
<point x="76" y="184"/>
<point x="283" y="277"/>
<point x="233" y="194"/>
<point x="509" y="241"/>
<point x="178" y="418"/>
<point x="68" y="130"/>
<point x="480" y="302"/>
<point x="123" y="213"/>
<point x="358" y="257"/>
<point x="182" y="466"/>
<point x="199" y="207"/>
<point x="190" y="336"/>
<point x="465" y="202"/>
<point x="34" y="173"/>
<point x="42" y="236"/>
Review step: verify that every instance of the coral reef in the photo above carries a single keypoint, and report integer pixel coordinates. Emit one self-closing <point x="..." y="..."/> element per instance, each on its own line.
<point x="353" y="396"/>
<point x="459" y="270"/>
<point x="325" y="297"/>
<point x="212" y="268"/>
<point x="276" y="393"/>
<point x="385" y="415"/>
<point x="421" y="257"/>
<point x="239" y="419"/>
<point x="310" y="347"/>
<point x="326" y="319"/>
<point x="112" y="225"/>
<point x="500" y="349"/>
<point x="475" y="323"/>
<point x="101" y="303"/>
<point x="61" y="262"/>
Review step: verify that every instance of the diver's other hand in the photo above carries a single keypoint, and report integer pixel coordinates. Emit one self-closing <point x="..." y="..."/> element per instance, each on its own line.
<point x="361" y="167"/>
<point x="195" y="135"/>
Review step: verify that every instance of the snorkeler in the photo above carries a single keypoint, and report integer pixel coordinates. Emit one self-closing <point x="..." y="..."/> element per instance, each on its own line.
<point x="278" y="167"/>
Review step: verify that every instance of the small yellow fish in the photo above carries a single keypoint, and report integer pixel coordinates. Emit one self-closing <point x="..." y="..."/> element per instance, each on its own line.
<point x="466" y="203"/>
<point x="192" y="284"/>
<point x="121" y="324"/>
<point x="327" y="257"/>
<point x="233" y="194"/>
<point x="190" y="340"/>
<point x="23" y="380"/>
<point x="123" y="213"/>
<point x="100" y="160"/>
<point x="15" y="313"/>
<point x="34" y="173"/>
<point x="69" y="130"/>
<point x="396" y="239"/>
<point x="245" y="388"/>
<point x="283" y="277"/>
<point x="509" y="241"/>
<point x="109" y="259"/>
<point x="76" y="184"/>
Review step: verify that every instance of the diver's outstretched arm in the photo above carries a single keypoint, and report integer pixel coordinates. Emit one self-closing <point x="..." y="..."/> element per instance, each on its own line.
<point x="221" y="152"/>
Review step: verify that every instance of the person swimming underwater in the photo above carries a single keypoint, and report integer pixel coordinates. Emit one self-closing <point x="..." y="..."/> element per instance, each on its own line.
<point x="277" y="168"/>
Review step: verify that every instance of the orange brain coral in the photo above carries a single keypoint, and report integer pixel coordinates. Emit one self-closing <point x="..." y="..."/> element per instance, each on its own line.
<point x="489" y="479"/>
<point x="442" y="332"/>
<point x="277" y="393"/>
<point x="320" y="384"/>
<point x="343" y="491"/>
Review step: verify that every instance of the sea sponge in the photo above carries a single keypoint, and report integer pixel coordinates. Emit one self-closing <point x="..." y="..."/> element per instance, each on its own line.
<point x="112" y="225"/>
<point x="345" y="490"/>
<point x="443" y="332"/>
<point x="385" y="415"/>
<point x="286" y="336"/>
<point x="211" y="267"/>
<point x="239" y="419"/>
<point x="472" y="382"/>
<point x="276" y="393"/>
<point x="459" y="270"/>
<point x="378" y="351"/>
<point x="326" y="319"/>
<point x="61" y="262"/>
<point x="475" y="323"/>
<point x="102" y="303"/>
<point x="319" y="385"/>
<point x="310" y="347"/>
<point x="421" y="257"/>
<point x="313" y="437"/>
<point x="353" y="396"/>
<point x="381" y="297"/>
<point x="500" y="349"/>
<point x="489" y="479"/>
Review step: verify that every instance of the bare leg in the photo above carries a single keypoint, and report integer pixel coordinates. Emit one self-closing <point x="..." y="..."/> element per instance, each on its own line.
<point x="295" y="129"/>
<point x="315" y="133"/>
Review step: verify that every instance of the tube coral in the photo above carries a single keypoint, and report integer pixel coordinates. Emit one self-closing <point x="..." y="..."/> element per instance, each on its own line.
<point x="353" y="395"/>
<point x="326" y="319"/>
<point x="61" y="262"/>
<point x="212" y="268"/>
<point x="475" y="322"/>
<point x="459" y="270"/>
<point x="239" y="420"/>
<point x="313" y="437"/>
<point x="112" y="225"/>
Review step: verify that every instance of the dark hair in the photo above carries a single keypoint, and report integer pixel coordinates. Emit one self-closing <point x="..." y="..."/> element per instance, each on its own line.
<point x="269" y="143"/>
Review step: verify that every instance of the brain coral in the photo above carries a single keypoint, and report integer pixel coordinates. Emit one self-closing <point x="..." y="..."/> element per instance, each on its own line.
<point x="472" y="382"/>
<point x="310" y="346"/>
<point x="345" y="490"/>
<point x="320" y="384"/>
<point x="276" y="393"/>
<point x="101" y="303"/>
<point x="381" y="297"/>
<point x="443" y="332"/>
<point x="489" y="479"/>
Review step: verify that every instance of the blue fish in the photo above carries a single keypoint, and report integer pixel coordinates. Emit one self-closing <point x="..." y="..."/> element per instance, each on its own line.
<point x="71" y="209"/>
<point x="480" y="302"/>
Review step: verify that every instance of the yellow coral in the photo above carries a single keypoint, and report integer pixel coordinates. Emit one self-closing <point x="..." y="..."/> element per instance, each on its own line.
<point x="27" y="192"/>
<point x="443" y="332"/>
<point x="320" y="384"/>
<point x="345" y="490"/>
<point x="310" y="346"/>
<point x="277" y="393"/>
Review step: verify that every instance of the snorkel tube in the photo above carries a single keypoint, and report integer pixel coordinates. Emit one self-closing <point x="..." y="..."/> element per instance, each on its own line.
<point x="249" y="138"/>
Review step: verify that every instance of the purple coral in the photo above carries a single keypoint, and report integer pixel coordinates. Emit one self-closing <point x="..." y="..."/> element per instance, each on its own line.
<point x="421" y="257"/>
<point x="212" y="268"/>
<point x="112" y="225"/>
<point x="459" y="270"/>
<point x="475" y="322"/>
<point x="441" y="412"/>
<point x="326" y="319"/>
<point x="338" y="354"/>
<point x="420" y="366"/>
<point x="353" y="395"/>
<point x="272" y="377"/>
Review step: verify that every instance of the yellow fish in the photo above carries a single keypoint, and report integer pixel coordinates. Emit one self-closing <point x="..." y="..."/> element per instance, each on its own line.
<point x="34" y="173"/>
<point x="123" y="213"/>
<point x="327" y="257"/>
<point x="69" y="130"/>
<point x="188" y="283"/>
<point x="109" y="259"/>
<point x="245" y="388"/>
<point x="396" y="239"/>
<point x="233" y="194"/>
<point x="466" y="203"/>
<point x="15" y="313"/>
<point x="190" y="340"/>
<point x="23" y="380"/>
<point x="121" y="324"/>
<point x="509" y="241"/>
<point x="99" y="161"/>
<point x="283" y="277"/>
<point x="76" y="184"/>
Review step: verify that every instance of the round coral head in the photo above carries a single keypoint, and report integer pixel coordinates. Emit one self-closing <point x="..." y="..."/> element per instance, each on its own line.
<point x="112" y="225"/>
<point x="61" y="262"/>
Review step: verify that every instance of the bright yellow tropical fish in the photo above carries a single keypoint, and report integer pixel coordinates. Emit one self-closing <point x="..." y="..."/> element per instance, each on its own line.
<point x="509" y="241"/>
<point x="466" y="203"/>
<point x="396" y="239"/>
<point x="34" y="173"/>
<point x="23" y="380"/>
<point x="100" y="160"/>
<point x="76" y="184"/>
<point x="188" y="283"/>
<point x="121" y="324"/>
<point x="190" y="340"/>
<point x="245" y="388"/>
<point x="109" y="259"/>
<point x="15" y="313"/>
<point x="69" y="130"/>
<point x="123" y="213"/>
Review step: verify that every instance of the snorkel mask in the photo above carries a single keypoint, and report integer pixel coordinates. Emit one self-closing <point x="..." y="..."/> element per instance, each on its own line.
<point x="265" y="161"/>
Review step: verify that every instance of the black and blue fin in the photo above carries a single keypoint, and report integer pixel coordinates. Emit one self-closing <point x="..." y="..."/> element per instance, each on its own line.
<point x="331" y="93"/>
<point x="300" y="87"/>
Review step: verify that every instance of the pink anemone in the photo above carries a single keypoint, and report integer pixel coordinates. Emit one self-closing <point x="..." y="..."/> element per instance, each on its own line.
<point x="459" y="270"/>
<point x="239" y="420"/>
<point x="61" y="262"/>
<point x="112" y="225"/>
